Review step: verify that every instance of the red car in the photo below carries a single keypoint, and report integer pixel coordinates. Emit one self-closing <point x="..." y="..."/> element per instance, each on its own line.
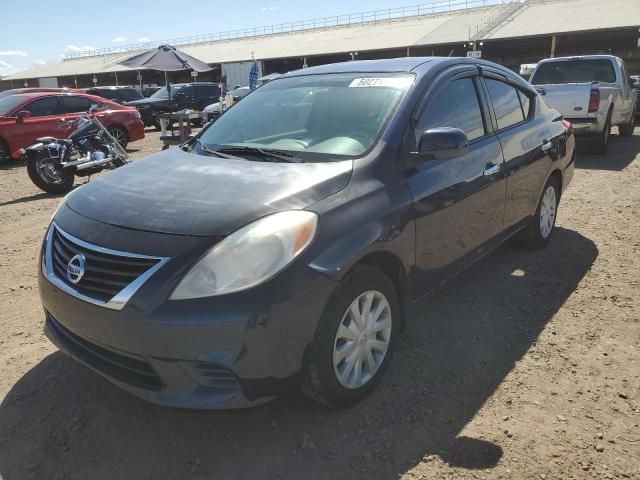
<point x="25" y="117"/>
<point x="16" y="91"/>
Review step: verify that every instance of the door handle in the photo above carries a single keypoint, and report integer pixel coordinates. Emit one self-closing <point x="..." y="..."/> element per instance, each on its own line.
<point x="491" y="169"/>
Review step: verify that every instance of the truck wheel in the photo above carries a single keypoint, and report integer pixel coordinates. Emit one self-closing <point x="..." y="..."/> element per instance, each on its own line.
<point x="540" y="228"/>
<point x="601" y="142"/>
<point x="626" y="130"/>
<point x="354" y="339"/>
<point x="44" y="174"/>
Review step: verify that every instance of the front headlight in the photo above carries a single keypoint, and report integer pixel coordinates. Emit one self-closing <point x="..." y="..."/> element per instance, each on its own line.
<point x="249" y="256"/>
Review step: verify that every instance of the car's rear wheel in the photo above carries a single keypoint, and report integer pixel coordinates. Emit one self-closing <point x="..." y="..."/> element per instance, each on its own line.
<point x="626" y="130"/>
<point x="543" y="222"/>
<point x="45" y="173"/>
<point x="4" y="153"/>
<point x="354" y="339"/>
<point x="120" y="134"/>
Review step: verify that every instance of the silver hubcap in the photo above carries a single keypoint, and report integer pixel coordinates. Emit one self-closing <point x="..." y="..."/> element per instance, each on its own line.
<point x="548" y="211"/>
<point x="362" y="339"/>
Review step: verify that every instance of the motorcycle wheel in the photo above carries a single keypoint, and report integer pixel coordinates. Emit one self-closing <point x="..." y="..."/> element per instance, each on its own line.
<point x="44" y="174"/>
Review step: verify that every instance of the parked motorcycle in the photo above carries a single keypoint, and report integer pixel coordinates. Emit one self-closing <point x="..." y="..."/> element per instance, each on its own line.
<point x="52" y="163"/>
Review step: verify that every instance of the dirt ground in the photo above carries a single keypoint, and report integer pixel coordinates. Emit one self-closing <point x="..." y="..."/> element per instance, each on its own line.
<point x="527" y="366"/>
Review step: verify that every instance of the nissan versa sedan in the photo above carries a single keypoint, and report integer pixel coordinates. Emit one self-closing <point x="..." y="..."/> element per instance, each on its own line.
<point x="282" y="247"/>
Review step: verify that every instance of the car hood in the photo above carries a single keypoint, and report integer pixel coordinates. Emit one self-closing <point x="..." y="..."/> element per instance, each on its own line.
<point x="187" y="194"/>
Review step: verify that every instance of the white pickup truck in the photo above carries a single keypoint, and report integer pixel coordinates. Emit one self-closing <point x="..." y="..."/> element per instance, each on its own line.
<point x="593" y="92"/>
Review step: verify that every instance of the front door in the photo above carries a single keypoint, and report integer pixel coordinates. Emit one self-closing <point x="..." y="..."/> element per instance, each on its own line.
<point x="43" y="122"/>
<point x="459" y="202"/>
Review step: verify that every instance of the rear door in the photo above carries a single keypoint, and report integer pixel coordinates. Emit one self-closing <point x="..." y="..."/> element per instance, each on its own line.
<point x="206" y="95"/>
<point x="73" y="107"/>
<point x="528" y="142"/>
<point x="43" y="122"/>
<point x="458" y="203"/>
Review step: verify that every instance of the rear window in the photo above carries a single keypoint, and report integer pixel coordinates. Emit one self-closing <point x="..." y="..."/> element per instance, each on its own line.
<point x="575" y="71"/>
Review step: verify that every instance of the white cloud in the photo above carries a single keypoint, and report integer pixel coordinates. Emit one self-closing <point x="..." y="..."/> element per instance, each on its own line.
<point x="119" y="39"/>
<point x="6" y="68"/>
<point x="13" y="53"/>
<point x="76" y="48"/>
<point x="39" y="62"/>
<point x="143" y="40"/>
<point x="270" y="8"/>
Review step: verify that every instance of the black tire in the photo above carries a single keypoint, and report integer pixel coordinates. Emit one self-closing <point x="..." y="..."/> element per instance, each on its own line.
<point x="156" y="125"/>
<point x="600" y="144"/>
<point x="4" y="153"/>
<point x="532" y="236"/>
<point x="65" y="184"/>
<point x="626" y="130"/>
<point x="321" y="382"/>
<point x="120" y="134"/>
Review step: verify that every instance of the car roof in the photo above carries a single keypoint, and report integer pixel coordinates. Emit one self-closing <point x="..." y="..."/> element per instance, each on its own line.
<point x="391" y="65"/>
<point x="579" y="57"/>
<point x="419" y="65"/>
<point x="32" y="95"/>
<point x="110" y="87"/>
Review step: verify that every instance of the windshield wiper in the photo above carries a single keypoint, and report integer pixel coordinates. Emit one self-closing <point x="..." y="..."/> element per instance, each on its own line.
<point x="280" y="155"/>
<point x="216" y="153"/>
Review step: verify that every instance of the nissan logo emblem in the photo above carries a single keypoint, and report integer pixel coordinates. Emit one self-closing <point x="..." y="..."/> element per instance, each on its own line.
<point x="75" y="268"/>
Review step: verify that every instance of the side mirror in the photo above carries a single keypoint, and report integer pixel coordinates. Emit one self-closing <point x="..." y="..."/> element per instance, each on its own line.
<point x="22" y="114"/>
<point x="443" y="143"/>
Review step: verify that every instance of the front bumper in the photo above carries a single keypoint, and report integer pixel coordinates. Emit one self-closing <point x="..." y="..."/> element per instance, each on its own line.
<point x="230" y="351"/>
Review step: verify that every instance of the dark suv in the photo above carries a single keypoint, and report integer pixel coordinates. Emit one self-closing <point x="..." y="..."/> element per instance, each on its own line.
<point x="194" y="96"/>
<point x="116" y="94"/>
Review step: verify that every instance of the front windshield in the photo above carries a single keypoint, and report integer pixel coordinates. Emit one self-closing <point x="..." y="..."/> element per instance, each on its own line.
<point x="162" y="93"/>
<point x="7" y="104"/>
<point x="313" y="117"/>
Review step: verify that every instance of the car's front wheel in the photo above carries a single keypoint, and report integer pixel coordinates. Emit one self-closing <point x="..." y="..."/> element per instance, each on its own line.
<point x="354" y="339"/>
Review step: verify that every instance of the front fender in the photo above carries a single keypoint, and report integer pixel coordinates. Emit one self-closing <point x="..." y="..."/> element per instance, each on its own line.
<point x="393" y="233"/>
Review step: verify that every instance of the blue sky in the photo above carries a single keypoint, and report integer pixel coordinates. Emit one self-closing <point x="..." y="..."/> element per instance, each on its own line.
<point x="37" y="31"/>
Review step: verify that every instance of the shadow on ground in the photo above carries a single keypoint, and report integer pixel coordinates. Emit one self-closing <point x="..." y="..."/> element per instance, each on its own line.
<point x="61" y="421"/>
<point x="621" y="152"/>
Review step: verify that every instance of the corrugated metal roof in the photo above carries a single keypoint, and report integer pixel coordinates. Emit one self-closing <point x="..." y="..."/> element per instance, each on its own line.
<point x="545" y="17"/>
<point x="537" y="17"/>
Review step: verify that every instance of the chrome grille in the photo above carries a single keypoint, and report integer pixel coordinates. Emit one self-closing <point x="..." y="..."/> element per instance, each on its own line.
<point x="109" y="277"/>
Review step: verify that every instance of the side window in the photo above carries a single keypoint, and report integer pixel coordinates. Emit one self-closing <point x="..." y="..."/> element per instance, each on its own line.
<point x="186" y="91"/>
<point x="506" y="103"/>
<point x="76" y="104"/>
<point x="525" y="102"/>
<point x="204" y="91"/>
<point x="43" y="107"/>
<point x="456" y="105"/>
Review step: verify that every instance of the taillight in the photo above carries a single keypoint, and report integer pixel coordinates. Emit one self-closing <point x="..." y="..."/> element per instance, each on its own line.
<point x="594" y="100"/>
<point x="569" y="126"/>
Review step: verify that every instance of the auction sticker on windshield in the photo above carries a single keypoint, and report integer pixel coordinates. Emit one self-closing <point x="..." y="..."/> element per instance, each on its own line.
<point x="397" y="82"/>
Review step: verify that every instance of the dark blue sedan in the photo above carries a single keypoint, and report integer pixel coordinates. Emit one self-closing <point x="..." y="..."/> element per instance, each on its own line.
<point x="284" y="245"/>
